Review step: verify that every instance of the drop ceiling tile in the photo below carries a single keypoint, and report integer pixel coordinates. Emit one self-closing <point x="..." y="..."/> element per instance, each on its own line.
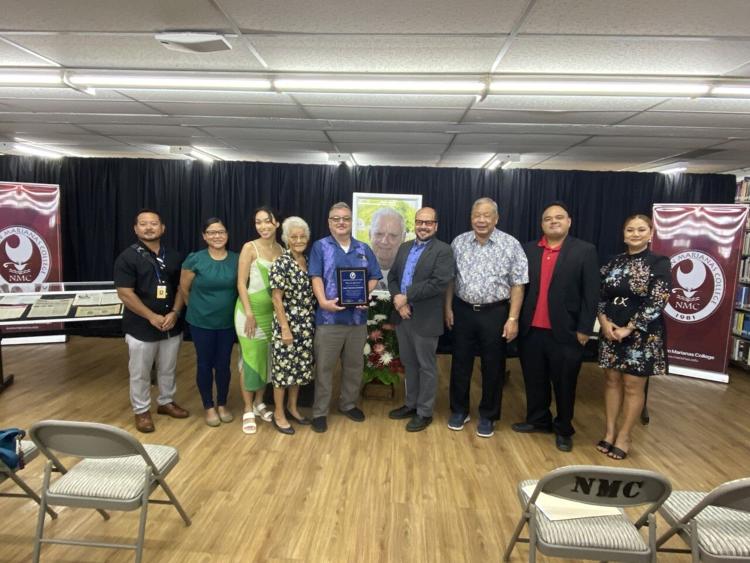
<point x="706" y="104"/>
<point x="253" y="122"/>
<point x="408" y="126"/>
<point x="79" y="106"/>
<point x="194" y="96"/>
<point x="111" y="15"/>
<point x="386" y="16"/>
<point x="18" y="93"/>
<point x="539" y="117"/>
<point x="530" y="139"/>
<point x="272" y="146"/>
<point x="118" y="129"/>
<point x="227" y="110"/>
<point x="396" y="149"/>
<point x="614" y="153"/>
<point x="686" y="143"/>
<point x="384" y="114"/>
<point x="380" y="159"/>
<point x="258" y="133"/>
<point x="685" y="119"/>
<point x="596" y="55"/>
<point x="640" y="17"/>
<point x="378" y="53"/>
<point x="12" y="56"/>
<point x="566" y="103"/>
<point x="133" y="52"/>
<point x="40" y="128"/>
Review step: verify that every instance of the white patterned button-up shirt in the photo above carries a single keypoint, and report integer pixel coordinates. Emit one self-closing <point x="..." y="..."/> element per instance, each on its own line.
<point x="486" y="272"/>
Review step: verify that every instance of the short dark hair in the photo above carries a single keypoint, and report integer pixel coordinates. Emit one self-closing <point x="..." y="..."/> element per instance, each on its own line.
<point x="645" y="218"/>
<point x="556" y="203"/>
<point x="210" y="221"/>
<point x="435" y="211"/>
<point x="146" y="210"/>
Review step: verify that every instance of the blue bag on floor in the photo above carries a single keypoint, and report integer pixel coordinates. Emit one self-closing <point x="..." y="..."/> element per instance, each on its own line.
<point x="10" y="452"/>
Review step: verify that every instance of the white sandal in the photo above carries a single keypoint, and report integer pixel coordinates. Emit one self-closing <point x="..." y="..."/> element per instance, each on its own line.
<point x="262" y="411"/>
<point x="248" y="423"/>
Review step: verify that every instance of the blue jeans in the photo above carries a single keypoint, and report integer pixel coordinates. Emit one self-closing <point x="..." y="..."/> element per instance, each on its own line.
<point x="213" y="348"/>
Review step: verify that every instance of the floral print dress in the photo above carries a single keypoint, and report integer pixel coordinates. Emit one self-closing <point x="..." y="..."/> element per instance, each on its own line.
<point x="635" y="288"/>
<point x="293" y="365"/>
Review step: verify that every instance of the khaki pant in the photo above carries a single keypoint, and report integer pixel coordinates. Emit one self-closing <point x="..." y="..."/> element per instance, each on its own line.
<point x="332" y="342"/>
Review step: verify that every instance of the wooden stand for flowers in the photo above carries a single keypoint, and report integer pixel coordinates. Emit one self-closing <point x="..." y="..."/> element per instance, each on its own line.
<point x="376" y="389"/>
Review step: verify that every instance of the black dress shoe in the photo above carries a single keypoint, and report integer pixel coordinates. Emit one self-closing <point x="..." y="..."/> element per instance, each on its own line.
<point x="288" y="430"/>
<point x="564" y="443"/>
<point x="319" y="424"/>
<point x="402" y="412"/>
<point x="418" y="423"/>
<point x="354" y="414"/>
<point x="527" y="428"/>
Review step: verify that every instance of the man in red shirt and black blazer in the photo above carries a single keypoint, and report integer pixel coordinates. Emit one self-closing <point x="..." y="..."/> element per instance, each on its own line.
<point x="557" y="318"/>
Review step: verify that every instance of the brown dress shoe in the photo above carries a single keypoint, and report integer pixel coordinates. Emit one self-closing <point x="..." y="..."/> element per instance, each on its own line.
<point x="174" y="410"/>
<point x="144" y="423"/>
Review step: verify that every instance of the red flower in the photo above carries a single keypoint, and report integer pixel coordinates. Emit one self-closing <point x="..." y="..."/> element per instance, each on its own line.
<point x="375" y="335"/>
<point x="378" y="348"/>
<point x="388" y="326"/>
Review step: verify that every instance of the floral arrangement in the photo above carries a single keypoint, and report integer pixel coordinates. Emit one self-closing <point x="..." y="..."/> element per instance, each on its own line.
<point x="382" y="361"/>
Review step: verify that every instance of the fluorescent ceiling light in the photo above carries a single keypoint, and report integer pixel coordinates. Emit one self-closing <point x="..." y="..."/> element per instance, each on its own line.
<point x="200" y="155"/>
<point x="31" y="78"/>
<point x="148" y="81"/>
<point x="599" y="87"/>
<point x="506" y="164"/>
<point x="502" y="160"/>
<point x="729" y="90"/>
<point x="37" y="151"/>
<point x="379" y="86"/>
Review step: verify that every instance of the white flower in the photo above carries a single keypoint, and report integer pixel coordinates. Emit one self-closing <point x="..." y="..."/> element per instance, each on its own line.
<point x="371" y="322"/>
<point x="384" y="296"/>
<point x="367" y="349"/>
<point x="378" y="318"/>
<point x="386" y="358"/>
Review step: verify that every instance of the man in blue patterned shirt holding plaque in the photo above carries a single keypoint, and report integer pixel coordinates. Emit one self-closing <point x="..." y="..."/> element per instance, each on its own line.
<point x="340" y="332"/>
<point x="482" y="307"/>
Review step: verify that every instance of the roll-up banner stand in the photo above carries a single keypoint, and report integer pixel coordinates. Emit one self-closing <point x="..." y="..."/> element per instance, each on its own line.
<point x="30" y="249"/>
<point x="704" y="245"/>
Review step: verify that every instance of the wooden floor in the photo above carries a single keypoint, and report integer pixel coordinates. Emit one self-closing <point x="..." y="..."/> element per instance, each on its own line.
<point x="360" y="492"/>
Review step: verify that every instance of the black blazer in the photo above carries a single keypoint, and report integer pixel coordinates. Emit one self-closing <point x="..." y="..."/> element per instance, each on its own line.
<point x="426" y="294"/>
<point x="573" y="293"/>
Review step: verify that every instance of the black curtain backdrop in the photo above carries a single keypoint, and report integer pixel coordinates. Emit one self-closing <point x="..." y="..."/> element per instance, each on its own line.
<point x="101" y="196"/>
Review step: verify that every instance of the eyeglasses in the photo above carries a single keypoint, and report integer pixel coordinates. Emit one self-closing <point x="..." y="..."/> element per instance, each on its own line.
<point x="215" y="233"/>
<point x="336" y="219"/>
<point x="419" y="223"/>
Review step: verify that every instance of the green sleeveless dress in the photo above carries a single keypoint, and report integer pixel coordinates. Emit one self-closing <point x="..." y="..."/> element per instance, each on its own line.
<point x="255" y="362"/>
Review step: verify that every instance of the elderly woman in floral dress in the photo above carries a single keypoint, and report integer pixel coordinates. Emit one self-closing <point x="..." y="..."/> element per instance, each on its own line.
<point x="293" y="324"/>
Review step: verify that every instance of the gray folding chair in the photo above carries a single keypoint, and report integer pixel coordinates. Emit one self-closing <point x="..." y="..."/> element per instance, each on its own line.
<point x="613" y="537"/>
<point x="117" y="472"/>
<point x="715" y="525"/>
<point x="30" y="451"/>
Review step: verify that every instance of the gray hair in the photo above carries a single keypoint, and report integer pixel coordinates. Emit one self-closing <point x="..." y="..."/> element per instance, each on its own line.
<point x="293" y="223"/>
<point x="387" y="212"/>
<point x="340" y="205"/>
<point x="482" y="200"/>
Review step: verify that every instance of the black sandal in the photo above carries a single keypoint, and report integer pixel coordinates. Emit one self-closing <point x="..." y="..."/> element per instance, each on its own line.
<point x="604" y="447"/>
<point x="617" y="454"/>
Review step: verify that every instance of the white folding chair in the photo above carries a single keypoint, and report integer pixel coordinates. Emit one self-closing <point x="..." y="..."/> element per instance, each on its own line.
<point x="610" y="537"/>
<point x="30" y="451"/>
<point x="716" y="525"/>
<point x="117" y="472"/>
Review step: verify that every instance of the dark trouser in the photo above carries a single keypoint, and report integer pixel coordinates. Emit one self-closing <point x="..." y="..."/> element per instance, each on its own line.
<point x="482" y="329"/>
<point x="545" y="361"/>
<point x="213" y="348"/>
<point x="420" y="362"/>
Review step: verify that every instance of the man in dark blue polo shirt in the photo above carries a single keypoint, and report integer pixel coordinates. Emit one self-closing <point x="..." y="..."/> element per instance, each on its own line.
<point x="340" y="332"/>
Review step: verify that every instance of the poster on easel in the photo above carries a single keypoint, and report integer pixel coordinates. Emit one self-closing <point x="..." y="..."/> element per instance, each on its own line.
<point x="30" y="249"/>
<point x="703" y="244"/>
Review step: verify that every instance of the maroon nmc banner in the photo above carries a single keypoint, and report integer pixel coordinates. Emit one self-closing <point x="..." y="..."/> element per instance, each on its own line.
<point x="30" y="251"/>
<point x="703" y="243"/>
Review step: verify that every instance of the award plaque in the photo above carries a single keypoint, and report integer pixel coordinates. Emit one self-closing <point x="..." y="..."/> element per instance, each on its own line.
<point x="352" y="286"/>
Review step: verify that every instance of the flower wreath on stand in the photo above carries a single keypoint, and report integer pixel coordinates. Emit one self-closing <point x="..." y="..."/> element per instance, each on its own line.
<point x="382" y="361"/>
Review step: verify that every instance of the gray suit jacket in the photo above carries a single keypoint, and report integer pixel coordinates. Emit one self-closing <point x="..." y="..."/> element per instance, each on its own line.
<point x="426" y="294"/>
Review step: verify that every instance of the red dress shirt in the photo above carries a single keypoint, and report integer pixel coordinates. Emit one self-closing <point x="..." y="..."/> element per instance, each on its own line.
<point x="549" y="259"/>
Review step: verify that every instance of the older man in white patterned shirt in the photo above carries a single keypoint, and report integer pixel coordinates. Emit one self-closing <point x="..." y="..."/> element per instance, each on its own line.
<point x="482" y="307"/>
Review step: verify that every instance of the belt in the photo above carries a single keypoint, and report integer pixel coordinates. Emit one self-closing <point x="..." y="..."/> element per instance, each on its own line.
<point x="482" y="306"/>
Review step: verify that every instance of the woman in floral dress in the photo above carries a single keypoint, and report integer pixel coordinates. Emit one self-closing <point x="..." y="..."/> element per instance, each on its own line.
<point x="634" y="291"/>
<point x="293" y="324"/>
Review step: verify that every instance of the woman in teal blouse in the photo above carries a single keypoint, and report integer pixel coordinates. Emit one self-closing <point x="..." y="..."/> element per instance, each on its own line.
<point x="209" y="285"/>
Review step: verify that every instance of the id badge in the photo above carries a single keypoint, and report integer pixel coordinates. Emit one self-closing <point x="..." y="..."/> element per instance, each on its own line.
<point x="161" y="291"/>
